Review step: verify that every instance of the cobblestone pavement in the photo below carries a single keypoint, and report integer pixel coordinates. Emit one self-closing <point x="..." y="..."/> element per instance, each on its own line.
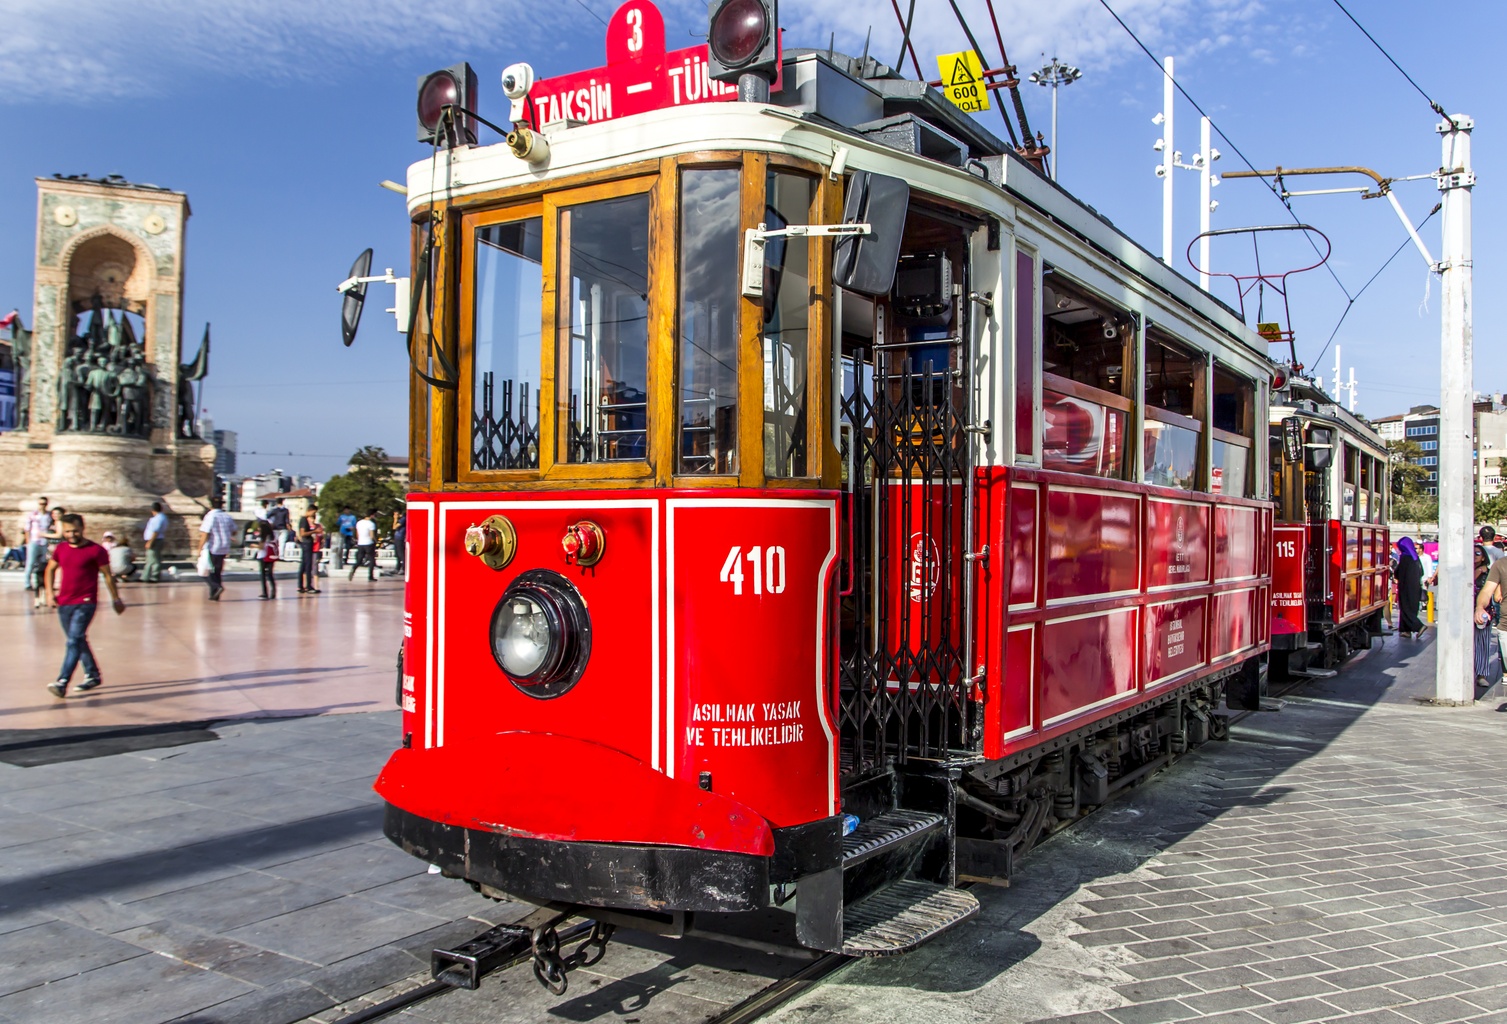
<point x="1344" y="859"/>
<point x="240" y="880"/>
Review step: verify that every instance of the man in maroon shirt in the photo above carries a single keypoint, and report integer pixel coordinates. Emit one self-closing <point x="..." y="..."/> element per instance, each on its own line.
<point x="80" y="561"/>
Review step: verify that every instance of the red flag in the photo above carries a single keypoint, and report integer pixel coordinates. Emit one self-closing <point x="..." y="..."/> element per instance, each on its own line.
<point x="10" y="318"/>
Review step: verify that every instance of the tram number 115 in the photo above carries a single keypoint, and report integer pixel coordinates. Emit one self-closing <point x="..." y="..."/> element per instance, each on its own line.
<point x="766" y="567"/>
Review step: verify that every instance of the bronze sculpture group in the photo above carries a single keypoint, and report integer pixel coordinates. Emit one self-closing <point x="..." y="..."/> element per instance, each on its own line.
<point x="104" y="386"/>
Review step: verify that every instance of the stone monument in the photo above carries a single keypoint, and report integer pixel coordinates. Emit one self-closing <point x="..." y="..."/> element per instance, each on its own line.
<point x="105" y="418"/>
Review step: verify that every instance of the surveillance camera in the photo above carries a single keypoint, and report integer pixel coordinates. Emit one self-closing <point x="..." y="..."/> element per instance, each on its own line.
<point x="1198" y="160"/>
<point x="1158" y="145"/>
<point x="517" y="80"/>
<point x="1161" y="171"/>
<point x="1159" y="118"/>
<point x="1111" y="330"/>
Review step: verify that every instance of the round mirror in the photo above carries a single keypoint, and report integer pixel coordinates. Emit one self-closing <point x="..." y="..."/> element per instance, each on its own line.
<point x="350" y="309"/>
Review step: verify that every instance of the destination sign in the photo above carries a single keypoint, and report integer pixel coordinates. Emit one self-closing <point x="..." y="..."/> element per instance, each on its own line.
<point x="639" y="75"/>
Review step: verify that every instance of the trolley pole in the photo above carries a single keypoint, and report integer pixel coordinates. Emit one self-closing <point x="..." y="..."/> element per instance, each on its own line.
<point x="1454" y="681"/>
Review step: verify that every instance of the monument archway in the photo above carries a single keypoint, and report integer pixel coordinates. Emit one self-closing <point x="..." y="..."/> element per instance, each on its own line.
<point x="99" y="398"/>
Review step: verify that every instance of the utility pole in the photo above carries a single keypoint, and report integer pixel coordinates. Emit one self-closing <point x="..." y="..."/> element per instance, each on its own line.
<point x="1351" y="388"/>
<point x="1055" y="74"/>
<point x="1338" y="387"/>
<point x="1454" y="677"/>
<point x="1169" y="156"/>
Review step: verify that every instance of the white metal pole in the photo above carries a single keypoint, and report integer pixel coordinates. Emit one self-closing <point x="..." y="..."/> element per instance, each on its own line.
<point x="1351" y="388"/>
<point x="1168" y="168"/>
<point x="1055" y="155"/>
<point x="1205" y="183"/>
<point x="1337" y="386"/>
<point x="1454" y="681"/>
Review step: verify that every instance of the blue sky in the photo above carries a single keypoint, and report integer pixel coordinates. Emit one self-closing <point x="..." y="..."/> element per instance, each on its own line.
<point x="279" y="117"/>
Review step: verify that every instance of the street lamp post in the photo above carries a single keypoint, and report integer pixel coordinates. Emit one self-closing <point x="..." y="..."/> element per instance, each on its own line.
<point x="1055" y="74"/>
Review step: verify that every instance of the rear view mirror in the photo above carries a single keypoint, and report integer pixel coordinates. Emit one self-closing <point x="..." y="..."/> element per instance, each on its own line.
<point x="1292" y="439"/>
<point x="866" y="263"/>
<point x="355" y="297"/>
<point x="1318" y="451"/>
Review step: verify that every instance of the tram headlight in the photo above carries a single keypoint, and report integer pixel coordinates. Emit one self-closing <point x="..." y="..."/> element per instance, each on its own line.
<point x="541" y="634"/>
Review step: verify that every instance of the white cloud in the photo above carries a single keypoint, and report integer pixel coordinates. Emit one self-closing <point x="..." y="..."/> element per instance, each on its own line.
<point x="92" y="49"/>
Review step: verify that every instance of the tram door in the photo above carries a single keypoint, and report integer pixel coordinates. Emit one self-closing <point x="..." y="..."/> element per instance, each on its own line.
<point x="1319" y="449"/>
<point x="905" y="451"/>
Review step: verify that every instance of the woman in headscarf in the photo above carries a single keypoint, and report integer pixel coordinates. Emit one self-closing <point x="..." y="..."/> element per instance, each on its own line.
<point x="1488" y="657"/>
<point x="1409" y="588"/>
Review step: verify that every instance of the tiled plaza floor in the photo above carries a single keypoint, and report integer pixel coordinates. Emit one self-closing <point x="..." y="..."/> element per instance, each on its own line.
<point x="175" y="656"/>
<point x="1344" y="859"/>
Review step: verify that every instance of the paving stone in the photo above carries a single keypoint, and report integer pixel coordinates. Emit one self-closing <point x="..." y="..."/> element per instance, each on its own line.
<point x="232" y="902"/>
<point x="1294" y="1011"/>
<point x="1159" y="988"/>
<point x="333" y="930"/>
<point x="1438" y="1011"/>
<point x="1153" y="1013"/>
<point x="1226" y="977"/>
<point x="45" y="952"/>
<point x="1429" y="986"/>
<point x="1226" y="999"/>
<point x="156" y="988"/>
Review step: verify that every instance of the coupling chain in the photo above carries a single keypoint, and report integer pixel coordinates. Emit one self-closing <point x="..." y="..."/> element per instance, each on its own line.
<point x="550" y="968"/>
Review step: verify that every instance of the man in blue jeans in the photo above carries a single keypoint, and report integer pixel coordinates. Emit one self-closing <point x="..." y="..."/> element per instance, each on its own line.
<point x="81" y="561"/>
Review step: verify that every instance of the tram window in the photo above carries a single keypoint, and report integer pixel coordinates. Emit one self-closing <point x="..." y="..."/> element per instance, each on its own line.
<point x="1363" y="509"/>
<point x="787" y="313"/>
<point x="1084" y="352"/>
<point x="1231" y="440"/>
<point x="709" y="311"/>
<point x="505" y="371"/>
<point x="603" y="331"/>
<point x="1172" y="423"/>
<point x="1025" y="355"/>
<point x="1351" y="456"/>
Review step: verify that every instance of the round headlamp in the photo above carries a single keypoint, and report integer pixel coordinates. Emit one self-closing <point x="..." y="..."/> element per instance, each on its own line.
<point x="541" y="634"/>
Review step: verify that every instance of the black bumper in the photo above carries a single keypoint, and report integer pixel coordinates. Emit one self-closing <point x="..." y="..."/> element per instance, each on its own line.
<point x="653" y="878"/>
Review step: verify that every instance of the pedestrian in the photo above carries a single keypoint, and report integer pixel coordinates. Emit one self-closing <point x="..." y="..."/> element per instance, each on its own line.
<point x="347" y="539"/>
<point x="216" y="533"/>
<point x="154" y="537"/>
<point x="34" y="527"/>
<point x="400" y="539"/>
<point x="75" y="596"/>
<point x="122" y="558"/>
<point x="1488" y="538"/>
<point x="1409" y="588"/>
<point x="267" y="555"/>
<point x="277" y="515"/>
<point x="366" y="547"/>
<point x="261" y="512"/>
<point x="1489" y="603"/>
<point x="1488" y="652"/>
<point x="308" y="544"/>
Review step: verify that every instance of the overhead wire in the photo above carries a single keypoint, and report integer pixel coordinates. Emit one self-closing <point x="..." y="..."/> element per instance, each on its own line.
<point x="1346" y="312"/>
<point x="1275" y="189"/>
<point x="1429" y="99"/>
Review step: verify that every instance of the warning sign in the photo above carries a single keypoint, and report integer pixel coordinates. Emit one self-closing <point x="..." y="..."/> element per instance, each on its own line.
<point x="963" y="81"/>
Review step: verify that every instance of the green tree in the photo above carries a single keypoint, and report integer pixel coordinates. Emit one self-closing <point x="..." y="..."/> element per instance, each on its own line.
<point x="368" y="486"/>
<point x="1411" y="502"/>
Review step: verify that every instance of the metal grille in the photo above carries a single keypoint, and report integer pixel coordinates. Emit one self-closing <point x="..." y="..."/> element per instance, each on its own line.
<point x="505" y="438"/>
<point x="905" y="691"/>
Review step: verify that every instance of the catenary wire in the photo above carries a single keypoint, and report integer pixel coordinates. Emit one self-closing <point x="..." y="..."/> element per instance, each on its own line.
<point x="1273" y="187"/>
<point x="1431" y="102"/>
<point x="589" y="11"/>
<point x="1346" y="312"/>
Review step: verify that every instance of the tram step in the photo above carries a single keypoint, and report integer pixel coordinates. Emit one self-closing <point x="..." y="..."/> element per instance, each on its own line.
<point x="901" y="916"/>
<point x="884" y="832"/>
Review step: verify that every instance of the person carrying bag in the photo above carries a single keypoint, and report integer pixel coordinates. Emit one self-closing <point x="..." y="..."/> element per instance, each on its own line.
<point x="1488" y="653"/>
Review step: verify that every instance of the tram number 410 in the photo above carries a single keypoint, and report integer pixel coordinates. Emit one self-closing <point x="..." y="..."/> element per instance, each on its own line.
<point x="766" y="569"/>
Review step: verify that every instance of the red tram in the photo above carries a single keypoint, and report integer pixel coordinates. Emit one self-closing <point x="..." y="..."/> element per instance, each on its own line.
<point x="1331" y="563"/>
<point x="821" y="504"/>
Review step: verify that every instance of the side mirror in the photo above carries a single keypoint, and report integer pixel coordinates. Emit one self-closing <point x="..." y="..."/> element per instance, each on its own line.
<point x="1318" y="452"/>
<point x="1292" y="439"/>
<point x="355" y="297"/>
<point x="866" y="263"/>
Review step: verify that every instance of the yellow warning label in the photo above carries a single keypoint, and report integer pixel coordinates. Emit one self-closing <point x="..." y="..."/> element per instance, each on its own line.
<point x="963" y="80"/>
<point x="1271" y="332"/>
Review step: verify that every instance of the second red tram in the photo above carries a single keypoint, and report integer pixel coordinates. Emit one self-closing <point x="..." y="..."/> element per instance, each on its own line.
<point x="1332" y="556"/>
<point x="753" y="568"/>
